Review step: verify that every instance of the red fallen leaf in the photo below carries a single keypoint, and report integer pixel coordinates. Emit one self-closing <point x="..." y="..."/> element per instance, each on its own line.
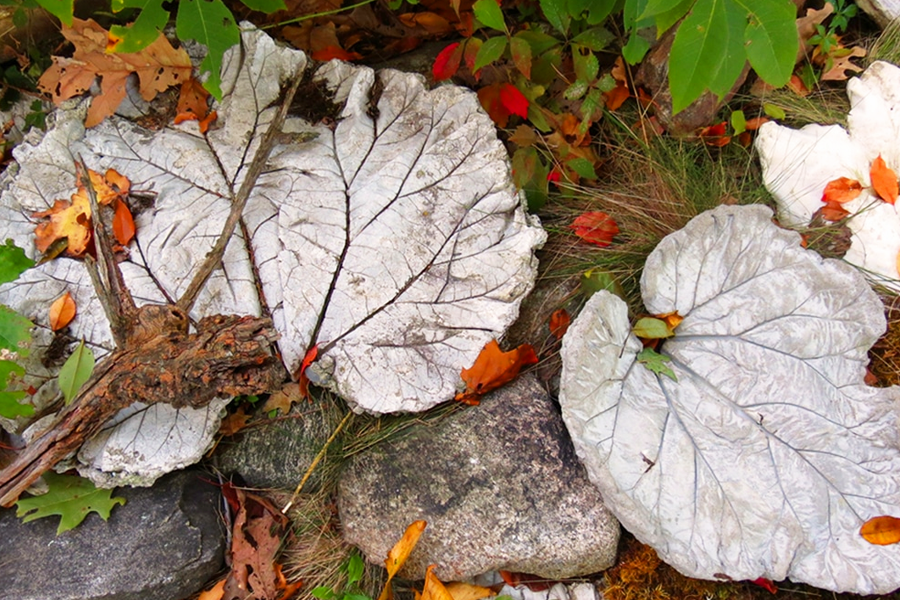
<point x="881" y="531"/>
<point x="765" y="583"/>
<point x="554" y="176"/>
<point x="302" y="379"/>
<point x="473" y="45"/>
<point x="884" y="181"/>
<point x="514" y="101"/>
<point x="842" y="189"/>
<point x="595" y="227"/>
<point x="714" y="135"/>
<point x="330" y="52"/>
<point x="501" y="100"/>
<point x="62" y="311"/>
<point x="494" y="368"/>
<point x="755" y="123"/>
<point x="123" y="224"/>
<point x="559" y="323"/>
<point x="447" y="62"/>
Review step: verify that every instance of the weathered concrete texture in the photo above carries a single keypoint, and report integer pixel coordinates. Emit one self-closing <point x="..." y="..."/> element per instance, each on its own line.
<point x="278" y="453"/>
<point x="884" y="12"/>
<point x="163" y="544"/>
<point x="499" y="486"/>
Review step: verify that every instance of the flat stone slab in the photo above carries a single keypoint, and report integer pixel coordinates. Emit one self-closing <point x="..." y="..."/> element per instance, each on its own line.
<point x="163" y="544"/>
<point x="499" y="485"/>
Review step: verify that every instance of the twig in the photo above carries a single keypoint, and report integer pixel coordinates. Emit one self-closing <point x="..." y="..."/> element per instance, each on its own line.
<point x="214" y="257"/>
<point x="316" y="461"/>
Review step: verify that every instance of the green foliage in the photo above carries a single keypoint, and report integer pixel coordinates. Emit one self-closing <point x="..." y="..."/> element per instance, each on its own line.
<point x="15" y="331"/>
<point x="714" y="41"/>
<point x="10" y="407"/>
<point x="13" y="262"/>
<point x="212" y="24"/>
<point x="488" y="13"/>
<point x="350" y="590"/>
<point x="656" y="362"/>
<point x="649" y="328"/>
<point x="76" y="371"/>
<point x="72" y="498"/>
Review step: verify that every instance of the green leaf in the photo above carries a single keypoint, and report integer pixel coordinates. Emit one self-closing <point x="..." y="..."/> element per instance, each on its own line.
<point x="656" y="362"/>
<point x="594" y="280"/>
<point x="595" y="38"/>
<point x="583" y="167"/>
<point x="575" y="91"/>
<point x="212" y="24"/>
<point x="585" y="63"/>
<point x="557" y="14"/>
<point x="539" y="41"/>
<point x="15" y="331"/>
<point x="658" y="7"/>
<point x="738" y="122"/>
<point x="70" y="497"/>
<point x="76" y="370"/>
<point x="61" y="9"/>
<point x="488" y="13"/>
<point x="323" y="593"/>
<point x="530" y="176"/>
<point x="633" y="52"/>
<point x="707" y="52"/>
<point x="490" y="51"/>
<point x="266" y="6"/>
<point x="9" y="399"/>
<point x="521" y="55"/>
<point x="354" y="569"/>
<point x="597" y="10"/>
<point x="145" y="29"/>
<point x="13" y="262"/>
<point x="630" y="12"/>
<point x="649" y="328"/>
<point x="774" y="111"/>
<point x="770" y="39"/>
<point x="537" y="118"/>
<point x="665" y="20"/>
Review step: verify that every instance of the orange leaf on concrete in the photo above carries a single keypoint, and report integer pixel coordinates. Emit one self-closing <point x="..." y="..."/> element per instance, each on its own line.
<point x="284" y="399"/>
<point x="842" y="189"/>
<point x="881" y="531"/>
<point x="500" y="100"/>
<point x="123" y="224"/>
<point x="302" y="379"/>
<point x="595" y="227"/>
<point x="467" y="591"/>
<point x="193" y="102"/>
<point x="62" y="311"/>
<point x="494" y="368"/>
<point x="884" y="180"/>
<point x="447" y="62"/>
<point x="559" y="323"/>
<point x="329" y="52"/>
<point x="234" y="422"/>
<point x="158" y="67"/>
<point x="834" y="212"/>
<point x="397" y="556"/>
<point x="433" y="588"/>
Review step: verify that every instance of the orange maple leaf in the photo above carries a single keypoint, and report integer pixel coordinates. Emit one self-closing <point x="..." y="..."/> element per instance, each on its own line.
<point x="158" y="67"/>
<point x="494" y="368"/>
<point x="62" y="311"/>
<point x="884" y="180"/>
<point x="71" y="219"/>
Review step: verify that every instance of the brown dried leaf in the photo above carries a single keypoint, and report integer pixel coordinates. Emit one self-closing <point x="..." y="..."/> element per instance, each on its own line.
<point x="841" y="64"/>
<point x="255" y="541"/>
<point x="62" y="311"/>
<point x="284" y="398"/>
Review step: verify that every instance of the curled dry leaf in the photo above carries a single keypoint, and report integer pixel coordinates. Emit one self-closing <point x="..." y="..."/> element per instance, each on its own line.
<point x="884" y="180"/>
<point x="842" y="189"/>
<point x="494" y="368"/>
<point x="62" y="311"/>
<point x="397" y="556"/>
<point x="881" y="531"/>
<point x="434" y="589"/>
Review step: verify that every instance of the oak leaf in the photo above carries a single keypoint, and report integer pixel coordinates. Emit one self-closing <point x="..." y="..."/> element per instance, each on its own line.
<point x="284" y="398"/>
<point x="256" y="538"/>
<point x="193" y="105"/>
<point x="881" y="531"/>
<point x="494" y="368"/>
<point x="595" y="227"/>
<point x="841" y="64"/>
<point x="158" y="67"/>
<point x="62" y="311"/>
<point x="884" y="180"/>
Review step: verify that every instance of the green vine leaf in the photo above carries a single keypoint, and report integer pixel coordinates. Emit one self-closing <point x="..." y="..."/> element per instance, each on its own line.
<point x="140" y="34"/>
<point x="72" y="498"/>
<point x="76" y="371"/>
<point x="212" y="24"/>
<point x="13" y="262"/>
<point x="61" y="9"/>
<point x="15" y="331"/>
<point x="488" y="13"/>
<point x="9" y="399"/>
<point x="656" y="362"/>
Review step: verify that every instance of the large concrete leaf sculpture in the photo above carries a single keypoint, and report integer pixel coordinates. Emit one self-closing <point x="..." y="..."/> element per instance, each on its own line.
<point x="768" y="453"/>
<point x="798" y="164"/>
<point x="388" y="233"/>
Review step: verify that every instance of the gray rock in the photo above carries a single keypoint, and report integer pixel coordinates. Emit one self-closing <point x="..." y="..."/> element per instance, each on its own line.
<point x="163" y="544"/>
<point x="276" y="454"/>
<point x="499" y="486"/>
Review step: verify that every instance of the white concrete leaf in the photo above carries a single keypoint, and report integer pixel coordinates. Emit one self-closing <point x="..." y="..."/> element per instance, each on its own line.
<point x="394" y="239"/>
<point x="798" y="164"/>
<point x="769" y="452"/>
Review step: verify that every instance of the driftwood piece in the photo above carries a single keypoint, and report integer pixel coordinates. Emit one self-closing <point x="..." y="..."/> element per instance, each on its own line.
<point x="228" y="356"/>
